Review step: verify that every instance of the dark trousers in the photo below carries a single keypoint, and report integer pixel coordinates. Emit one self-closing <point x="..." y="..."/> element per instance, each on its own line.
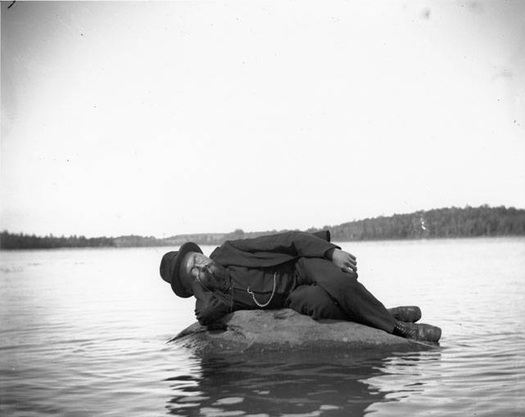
<point x="332" y="293"/>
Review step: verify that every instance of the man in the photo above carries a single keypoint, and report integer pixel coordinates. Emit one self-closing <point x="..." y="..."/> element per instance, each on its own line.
<point x="302" y="271"/>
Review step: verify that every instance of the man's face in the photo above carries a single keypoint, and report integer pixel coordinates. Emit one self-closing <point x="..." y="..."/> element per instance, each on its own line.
<point x="196" y="267"/>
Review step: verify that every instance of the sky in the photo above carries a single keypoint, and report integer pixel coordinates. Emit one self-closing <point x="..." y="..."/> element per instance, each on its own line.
<point x="164" y="118"/>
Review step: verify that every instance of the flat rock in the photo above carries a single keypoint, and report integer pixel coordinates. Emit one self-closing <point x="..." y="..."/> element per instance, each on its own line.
<point x="285" y="330"/>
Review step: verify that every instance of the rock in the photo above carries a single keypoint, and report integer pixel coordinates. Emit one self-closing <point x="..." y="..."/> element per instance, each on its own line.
<point x="285" y="330"/>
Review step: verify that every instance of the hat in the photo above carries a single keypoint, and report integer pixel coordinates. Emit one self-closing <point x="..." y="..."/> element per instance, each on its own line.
<point x="170" y="268"/>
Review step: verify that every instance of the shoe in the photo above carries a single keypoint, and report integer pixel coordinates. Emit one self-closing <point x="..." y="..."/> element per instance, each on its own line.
<point x="409" y="314"/>
<point x="420" y="331"/>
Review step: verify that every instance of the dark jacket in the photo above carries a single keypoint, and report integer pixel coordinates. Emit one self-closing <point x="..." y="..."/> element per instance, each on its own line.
<point x="252" y="263"/>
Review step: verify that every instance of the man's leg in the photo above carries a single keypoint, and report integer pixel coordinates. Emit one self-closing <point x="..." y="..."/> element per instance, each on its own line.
<point x="352" y="297"/>
<point x="313" y="301"/>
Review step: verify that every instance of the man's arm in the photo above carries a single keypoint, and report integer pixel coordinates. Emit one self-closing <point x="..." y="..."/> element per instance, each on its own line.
<point x="263" y="250"/>
<point x="300" y="244"/>
<point x="209" y="306"/>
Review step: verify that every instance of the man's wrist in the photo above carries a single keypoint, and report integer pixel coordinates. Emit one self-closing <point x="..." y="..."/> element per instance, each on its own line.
<point x="329" y="254"/>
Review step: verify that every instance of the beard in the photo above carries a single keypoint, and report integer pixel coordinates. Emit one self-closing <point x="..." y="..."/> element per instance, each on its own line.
<point x="215" y="277"/>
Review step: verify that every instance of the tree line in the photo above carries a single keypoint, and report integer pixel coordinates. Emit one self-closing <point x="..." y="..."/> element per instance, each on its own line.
<point x="23" y="241"/>
<point x="437" y="223"/>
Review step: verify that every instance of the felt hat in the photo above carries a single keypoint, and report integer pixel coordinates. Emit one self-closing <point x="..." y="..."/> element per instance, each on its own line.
<point x="170" y="268"/>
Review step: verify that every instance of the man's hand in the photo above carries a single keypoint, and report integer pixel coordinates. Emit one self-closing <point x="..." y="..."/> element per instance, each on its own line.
<point x="344" y="260"/>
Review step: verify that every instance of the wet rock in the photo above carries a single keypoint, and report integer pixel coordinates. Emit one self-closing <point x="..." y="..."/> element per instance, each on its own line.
<point x="285" y="331"/>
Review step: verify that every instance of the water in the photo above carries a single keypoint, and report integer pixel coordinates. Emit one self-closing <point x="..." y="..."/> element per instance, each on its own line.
<point x="83" y="333"/>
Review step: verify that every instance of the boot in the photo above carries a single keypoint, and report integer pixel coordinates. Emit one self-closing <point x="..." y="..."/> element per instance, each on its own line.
<point x="409" y="314"/>
<point x="420" y="331"/>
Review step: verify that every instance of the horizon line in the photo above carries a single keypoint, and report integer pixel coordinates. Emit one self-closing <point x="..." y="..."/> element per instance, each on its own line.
<point x="258" y="231"/>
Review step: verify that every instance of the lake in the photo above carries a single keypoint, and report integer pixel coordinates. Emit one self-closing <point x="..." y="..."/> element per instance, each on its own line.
<point x="83" y="333"/>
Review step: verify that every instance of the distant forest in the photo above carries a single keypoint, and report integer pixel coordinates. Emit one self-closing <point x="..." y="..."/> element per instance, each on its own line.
<point x="438" y="223"/>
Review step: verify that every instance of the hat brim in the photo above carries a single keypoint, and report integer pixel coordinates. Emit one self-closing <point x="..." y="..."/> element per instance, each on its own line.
<point x="176" y="284"/>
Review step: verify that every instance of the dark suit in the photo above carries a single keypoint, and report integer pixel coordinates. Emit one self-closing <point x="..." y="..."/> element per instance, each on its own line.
<point x="293" y="270"/>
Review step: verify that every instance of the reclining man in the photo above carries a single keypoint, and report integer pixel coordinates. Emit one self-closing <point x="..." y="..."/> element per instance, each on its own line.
<point x="295" y="270"/>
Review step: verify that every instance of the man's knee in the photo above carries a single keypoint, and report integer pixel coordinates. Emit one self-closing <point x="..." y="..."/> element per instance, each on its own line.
<point x="313" y="301"/>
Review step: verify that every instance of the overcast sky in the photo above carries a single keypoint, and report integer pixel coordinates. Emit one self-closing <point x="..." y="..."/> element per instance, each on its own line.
<point x="162" y="118"/>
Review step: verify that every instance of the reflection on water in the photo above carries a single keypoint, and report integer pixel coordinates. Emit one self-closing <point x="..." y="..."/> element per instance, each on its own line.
<point x="279" y="385"/>
<point x="83" y="333"/>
